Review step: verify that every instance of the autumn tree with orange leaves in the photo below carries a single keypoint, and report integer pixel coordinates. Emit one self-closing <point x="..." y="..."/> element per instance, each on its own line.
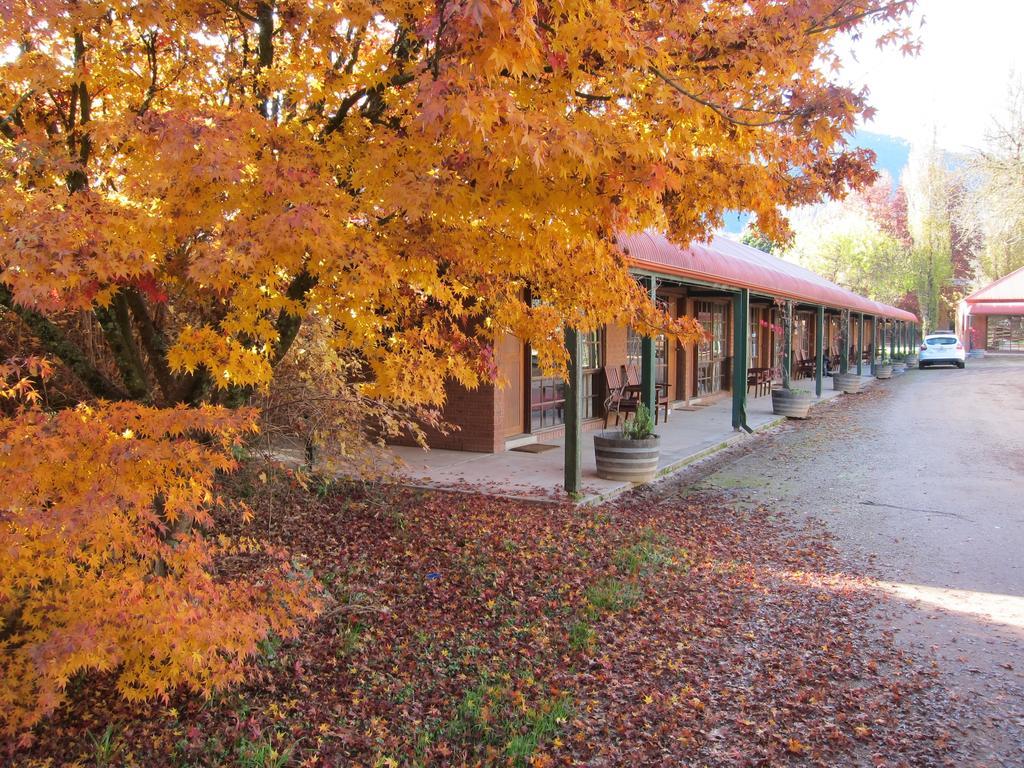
<point x="185" y="183"/>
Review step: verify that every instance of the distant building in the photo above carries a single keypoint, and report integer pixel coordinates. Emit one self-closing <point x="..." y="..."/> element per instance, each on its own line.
<point x="992" y="318"/>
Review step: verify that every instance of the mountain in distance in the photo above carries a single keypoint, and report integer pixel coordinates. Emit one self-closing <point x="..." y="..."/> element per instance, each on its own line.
<point x="891" y="152"/>
<point x="891" y="156"/>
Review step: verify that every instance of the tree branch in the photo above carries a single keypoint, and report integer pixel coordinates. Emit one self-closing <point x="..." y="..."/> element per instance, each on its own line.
<point x="339" y="117"/>
<point x="150" y="43"/>
<point x="56" y="343"/>
<point x="720" y="111"/>
<point x="288" y="324"/>
<point x="12" y="115"/>
<point x="265" y="49"/>
<point x="174" y="389"/>
<point x="125" y="353"/>
<point x="831" y="21"/>
<point x="77" y="178"/>
<point x="236" y="8"/>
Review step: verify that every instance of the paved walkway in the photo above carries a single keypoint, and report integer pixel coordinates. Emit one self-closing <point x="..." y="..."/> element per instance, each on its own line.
<point x="688" y="435"/>
<point x="925" y="492"/>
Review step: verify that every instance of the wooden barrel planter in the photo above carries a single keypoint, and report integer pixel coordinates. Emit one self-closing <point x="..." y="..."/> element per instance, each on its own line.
<point x="618" y="458"/>
<point x="791" y="402"/>
<point x="850" y="383"/>
<point x="883" y="371"/>
<point x="900" y="367"/>
<point x="911" y="361"/>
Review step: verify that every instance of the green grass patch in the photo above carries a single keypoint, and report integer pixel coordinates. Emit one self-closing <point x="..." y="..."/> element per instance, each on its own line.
<point x="539" y="726"/>
<point x="490" y="714"/>
<point x="104" y="747"/>
<point x="582" y="636"/>
<point x="651" y="551"/>
<point x="262" y="754"/>
<point x="612" y="595"/>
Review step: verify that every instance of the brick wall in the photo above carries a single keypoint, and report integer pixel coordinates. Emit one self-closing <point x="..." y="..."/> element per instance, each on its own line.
<point x="615" y="345"/>
<point x="473" y="412"/>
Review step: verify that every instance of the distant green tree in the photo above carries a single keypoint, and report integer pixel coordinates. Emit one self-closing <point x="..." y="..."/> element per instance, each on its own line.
<point x="991" y="210"/>
<point x="930" y="197"/>
<point x="860" y="243"/>
<point x="752" y="237"/>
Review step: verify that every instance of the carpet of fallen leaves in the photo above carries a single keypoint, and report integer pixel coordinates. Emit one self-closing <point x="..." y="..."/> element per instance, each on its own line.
<point x="661" y="629"/>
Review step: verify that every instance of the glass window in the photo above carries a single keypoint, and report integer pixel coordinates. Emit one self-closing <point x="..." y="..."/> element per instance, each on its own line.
<point x="1005" y="333"/>
<point x="592" y="360"/>
<point x="711" y="348"/>
<point x="802" y="332"/>
<point x="634" y="355"/>
<point x="547" y="393"/>
<point x="752" y="347"/>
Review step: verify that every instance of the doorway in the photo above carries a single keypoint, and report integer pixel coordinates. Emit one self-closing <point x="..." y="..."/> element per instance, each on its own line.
<point x="711" y="349"/>
<point x="513" y="406"/>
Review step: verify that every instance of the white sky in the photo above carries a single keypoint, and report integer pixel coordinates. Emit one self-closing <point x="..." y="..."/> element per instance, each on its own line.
<point x="958" y="83"/>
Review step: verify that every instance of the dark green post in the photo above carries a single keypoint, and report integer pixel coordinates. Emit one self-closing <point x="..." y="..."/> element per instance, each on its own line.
<point x="573" y="414"/>
<point x="740" y="358"/>
<point x="860" y="344"/>
<point x="819" y="347"/>
<point x="892" y="340"/>
<point x="874" y="342"/>
<point x="647" y="358"/>
<point x="844" y="341"/>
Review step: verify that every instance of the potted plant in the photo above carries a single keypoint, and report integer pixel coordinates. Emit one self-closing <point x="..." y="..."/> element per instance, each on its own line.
<point x="632" y="453"/>
<point x="843" y="380"/>
<point x="883" y="369"/>
<point x="899" y="365"/>
<point x="786" y="401"/>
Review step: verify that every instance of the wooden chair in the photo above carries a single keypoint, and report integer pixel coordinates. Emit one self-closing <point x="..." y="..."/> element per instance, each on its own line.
<point x="633" y="384"/>
<point x="760" y="379"/>
<point x="805" y="368"/>
<point x="620" y="400"/>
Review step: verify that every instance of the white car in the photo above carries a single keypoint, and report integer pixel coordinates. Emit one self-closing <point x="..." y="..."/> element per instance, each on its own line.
<point x="941" y="348"/>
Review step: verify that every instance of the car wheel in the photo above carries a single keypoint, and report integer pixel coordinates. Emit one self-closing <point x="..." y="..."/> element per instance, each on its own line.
<point x="922" y="365"/>
<point x="960" y="365"/>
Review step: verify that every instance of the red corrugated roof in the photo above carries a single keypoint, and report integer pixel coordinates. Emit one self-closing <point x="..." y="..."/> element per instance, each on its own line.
<point x="996" y="308"/>
<point x="730" y="263"/>
<point x="1009" y="288"/>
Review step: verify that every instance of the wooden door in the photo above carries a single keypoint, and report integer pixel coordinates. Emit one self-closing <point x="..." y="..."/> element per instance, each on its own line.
<point x="510" y="367"/>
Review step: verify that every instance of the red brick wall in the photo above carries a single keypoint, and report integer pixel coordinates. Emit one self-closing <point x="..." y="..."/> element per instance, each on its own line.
<point x="473" y="416"/>
<point x="615" y="345"/>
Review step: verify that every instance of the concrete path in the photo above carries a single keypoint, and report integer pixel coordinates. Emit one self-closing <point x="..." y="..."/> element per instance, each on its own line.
<point x="922" y="482"/>
<point x="688" y="436"/>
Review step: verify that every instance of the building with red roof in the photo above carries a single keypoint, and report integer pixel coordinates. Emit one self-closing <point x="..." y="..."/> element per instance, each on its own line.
<point x="992" y="318"/>
<point x="734" y="291"/>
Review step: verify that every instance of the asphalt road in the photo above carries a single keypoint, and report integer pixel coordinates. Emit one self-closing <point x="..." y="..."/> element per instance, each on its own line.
<point x="921" y="479"/>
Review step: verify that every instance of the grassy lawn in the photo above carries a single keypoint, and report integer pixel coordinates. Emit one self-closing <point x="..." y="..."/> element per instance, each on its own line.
<point x="464" y="630"/>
